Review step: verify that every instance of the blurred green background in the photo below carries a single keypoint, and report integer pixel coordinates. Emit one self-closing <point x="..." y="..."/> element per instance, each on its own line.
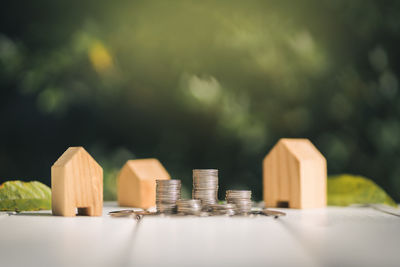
<point x="200" y="84"/>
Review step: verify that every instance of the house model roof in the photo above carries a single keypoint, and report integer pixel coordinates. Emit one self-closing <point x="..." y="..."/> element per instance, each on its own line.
<point x="70" y="154"/>
<point x="301" y="149"/>
<point x="147" y="169"/>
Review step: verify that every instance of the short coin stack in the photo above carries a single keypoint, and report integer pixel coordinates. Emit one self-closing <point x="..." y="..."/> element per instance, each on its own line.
<point x="205" y="186"/>
<point x="241" y="198"/>
<point x="223" y="209"/>
<point x="189" y="206"/>
<point x="167" y="193"/>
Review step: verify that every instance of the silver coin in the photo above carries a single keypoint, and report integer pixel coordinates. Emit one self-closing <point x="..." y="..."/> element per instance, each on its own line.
<point x="189" y="206"/>
<point x="223" y="209"/>
<point x="167" y="193"/>
<point x="238" y="194"/>
<point x="205" y="186"/>
<point x="241" y="199"/>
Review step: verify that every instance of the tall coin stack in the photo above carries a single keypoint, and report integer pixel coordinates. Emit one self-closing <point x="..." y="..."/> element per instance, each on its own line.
<point x="167" y="193"/>
<point x="241" y="198"/>
<point x="205" y="186"/>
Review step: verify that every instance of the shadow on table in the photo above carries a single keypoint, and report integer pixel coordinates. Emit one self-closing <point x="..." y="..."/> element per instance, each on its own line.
<point x="125" y="256"/>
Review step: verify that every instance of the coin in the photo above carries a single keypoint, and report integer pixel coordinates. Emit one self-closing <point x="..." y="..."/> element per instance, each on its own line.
<point x="167" y="193"/>
<point x="189" y="206"/>
<point x="205" y="186"/>
<point x="130" y="213"/>
<point x="223" y="209"/>
<point x="241" y="199"/>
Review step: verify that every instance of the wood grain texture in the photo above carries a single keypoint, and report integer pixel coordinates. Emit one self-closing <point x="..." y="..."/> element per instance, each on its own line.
<point x="76" y="184"/>
<point x="295" y="172"/>
<point x="137" y="182"/>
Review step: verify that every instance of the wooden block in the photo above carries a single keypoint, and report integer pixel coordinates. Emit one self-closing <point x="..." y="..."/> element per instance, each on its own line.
<point x="76" y="184"/>
<point x="137" y="182"/>
<point x="295" y="175"/>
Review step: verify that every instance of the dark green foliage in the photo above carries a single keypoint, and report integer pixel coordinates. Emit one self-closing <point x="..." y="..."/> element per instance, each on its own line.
<point x="200" y="84"/>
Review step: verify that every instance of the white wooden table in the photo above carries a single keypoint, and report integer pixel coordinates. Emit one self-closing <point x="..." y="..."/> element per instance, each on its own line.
<point x="326" y="237"/>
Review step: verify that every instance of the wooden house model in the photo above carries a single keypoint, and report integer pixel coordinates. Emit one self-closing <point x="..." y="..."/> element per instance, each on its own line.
<point x="76" y="184"/>
<point x="136" y="182"/>
<point x="294" y="175"/>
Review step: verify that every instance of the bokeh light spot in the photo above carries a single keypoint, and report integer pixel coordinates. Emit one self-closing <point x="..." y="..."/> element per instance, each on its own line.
<point x="100" y="57"/>
<point x="205" y="89"/>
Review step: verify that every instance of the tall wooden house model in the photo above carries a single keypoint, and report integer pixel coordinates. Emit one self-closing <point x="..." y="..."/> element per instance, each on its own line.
<point x="76" y="184"/>
<point x="294" y="175"/>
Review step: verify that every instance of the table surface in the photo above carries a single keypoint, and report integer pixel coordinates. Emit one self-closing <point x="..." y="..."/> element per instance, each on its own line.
<point x="353" y="236"/>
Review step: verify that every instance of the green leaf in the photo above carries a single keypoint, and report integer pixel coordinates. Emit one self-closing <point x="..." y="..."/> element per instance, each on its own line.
<point x="348" y="189"/>
<point x="23" y="196"/>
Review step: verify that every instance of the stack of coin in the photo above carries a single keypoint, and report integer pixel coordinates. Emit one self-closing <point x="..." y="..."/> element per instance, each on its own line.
<point x="223" y="209"/>
<point x="241" y="198"/>
<point x="167" y="193"/>
<point x="205" y="186"/>
<point x="189" y="206"/>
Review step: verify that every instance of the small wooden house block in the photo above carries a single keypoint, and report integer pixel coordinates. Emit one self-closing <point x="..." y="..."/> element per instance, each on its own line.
<point x="76" y="184"/>
<point x="137" y="182"/>
<point x="295" y="175"/>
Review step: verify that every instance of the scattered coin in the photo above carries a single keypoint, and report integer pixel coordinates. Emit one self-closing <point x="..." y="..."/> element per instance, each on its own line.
<point x="126" y="213"/>
<point x="274" y="213"/>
